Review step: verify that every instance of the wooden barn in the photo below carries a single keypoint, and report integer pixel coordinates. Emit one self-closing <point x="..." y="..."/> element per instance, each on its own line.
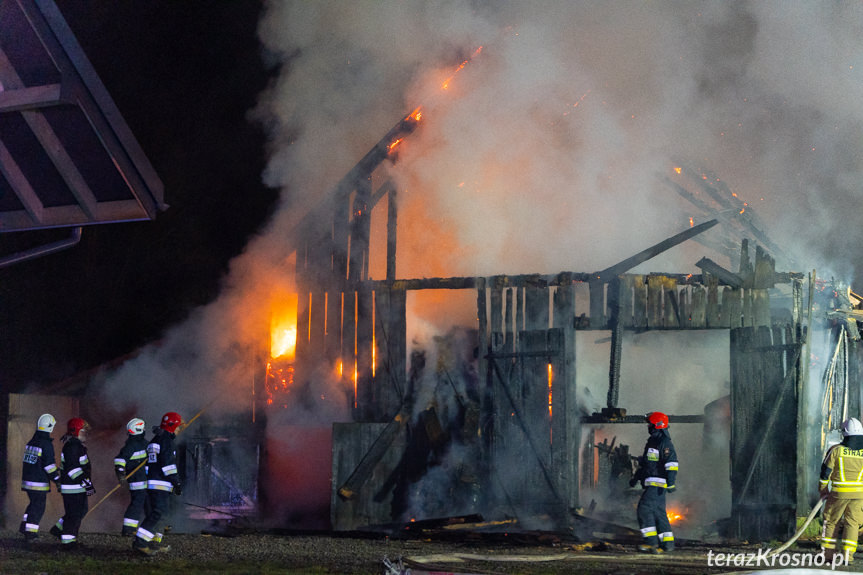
<point x="495" y="411"/>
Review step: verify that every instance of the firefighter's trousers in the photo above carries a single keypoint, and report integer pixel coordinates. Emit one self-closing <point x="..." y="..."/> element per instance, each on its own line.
<point x="35" y="510"/>
<point x="842" y="520"/>
<point x="159" y="504"/>
<point x="137" y="509"/>
<point x="653" y="519"/>
<point x="75" y="505"/>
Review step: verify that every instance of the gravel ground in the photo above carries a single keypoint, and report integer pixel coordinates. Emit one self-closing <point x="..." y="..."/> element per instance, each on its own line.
<point x="111" y="554"/>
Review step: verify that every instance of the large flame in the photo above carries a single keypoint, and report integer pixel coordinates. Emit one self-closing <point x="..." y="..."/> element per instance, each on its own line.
<point x="283" y="328"/>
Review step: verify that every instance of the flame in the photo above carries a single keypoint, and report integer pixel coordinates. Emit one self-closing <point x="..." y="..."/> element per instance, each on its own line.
<point x="392" y="146"/>
<point x="691" y="221"/>
<point x="678" y="169"/>
<point x="675" y="515"/>
<point x="550" y="378"/>
<point x="445" y="85"/>
<point x="283" y="328"/>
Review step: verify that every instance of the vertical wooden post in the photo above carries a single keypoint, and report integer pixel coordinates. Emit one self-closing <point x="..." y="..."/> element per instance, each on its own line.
<point x="565" y="397"/>
<point x="392" y="228"/>
<point x="369" y="408"/>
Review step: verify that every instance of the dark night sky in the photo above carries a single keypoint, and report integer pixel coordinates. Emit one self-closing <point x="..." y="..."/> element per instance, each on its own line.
<point x="184" y="75"/>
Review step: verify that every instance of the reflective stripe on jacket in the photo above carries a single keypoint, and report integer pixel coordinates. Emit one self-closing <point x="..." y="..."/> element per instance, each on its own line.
<point x="842" y="469"/>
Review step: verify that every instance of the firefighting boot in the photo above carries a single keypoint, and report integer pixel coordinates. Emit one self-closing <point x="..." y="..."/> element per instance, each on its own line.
<point x="652" y="549"/>
<point x="30" y="536"/>
<point x="23" y="527"/>
<point x="142" y="546"/>
<point x="128" y="531"/>
<point x="55" y="531"/>
<point x="667" y="546"/>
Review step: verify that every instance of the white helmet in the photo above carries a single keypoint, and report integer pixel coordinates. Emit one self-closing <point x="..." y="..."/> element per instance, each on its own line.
<point x="852" y="427"/>
<point x="46" y="422"/>
<point x="135" y="426"/>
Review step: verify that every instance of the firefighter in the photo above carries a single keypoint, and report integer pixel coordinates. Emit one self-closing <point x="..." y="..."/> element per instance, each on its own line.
<point x="657" y="473"/>
<point x="163" y="479"/>
<point x="842" y="484"/>
<point x="75" y="482"/>
<point x="130" y="470"/>
<point x="38" y="470"/>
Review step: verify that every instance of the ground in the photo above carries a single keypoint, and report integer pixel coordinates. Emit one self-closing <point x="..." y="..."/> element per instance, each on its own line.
<point x="292" y="553"/>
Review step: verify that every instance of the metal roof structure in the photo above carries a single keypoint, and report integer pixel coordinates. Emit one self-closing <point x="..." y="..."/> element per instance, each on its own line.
<point x="67" y="156"/>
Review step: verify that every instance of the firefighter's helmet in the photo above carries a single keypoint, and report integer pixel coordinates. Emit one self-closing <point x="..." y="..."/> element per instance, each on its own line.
<point x="852" y="427"/>
<point x="46" y="422"/>
<point x="658" y="420"/>
<point x="75" y="426"/>
<point x="135" y="426"/>
<point x="170" y="421"/>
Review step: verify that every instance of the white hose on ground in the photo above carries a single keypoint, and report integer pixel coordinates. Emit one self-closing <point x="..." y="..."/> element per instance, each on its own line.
<point x="802" y="528"/>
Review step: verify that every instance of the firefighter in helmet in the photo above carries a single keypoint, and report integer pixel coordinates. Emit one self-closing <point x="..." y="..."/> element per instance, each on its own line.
<point x="38" y="470"/>
<point x="657" y="473"/>
<point x="75" y="483"/>
<point x="163" y="479"/>
<point x="842" y="484"/>
<point x="129" y="467"/>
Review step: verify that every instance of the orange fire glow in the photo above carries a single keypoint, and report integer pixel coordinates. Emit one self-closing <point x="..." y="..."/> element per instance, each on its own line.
<point x="675" y="515"/>
<point x="691" y="221"/>
<point x="550" y="378"/>
<point x="678" y="169"/>
<point x="283" y="328"/>
<point x="445" y="85"/>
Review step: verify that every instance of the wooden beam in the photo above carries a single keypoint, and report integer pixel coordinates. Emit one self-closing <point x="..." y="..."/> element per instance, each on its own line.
<point x="652" y="251"/>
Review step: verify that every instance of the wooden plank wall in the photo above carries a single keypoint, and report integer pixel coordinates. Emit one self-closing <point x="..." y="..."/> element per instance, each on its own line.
<point x="351" y="442"/>
<point x="362" y="331"/>
<point x="535" y="423"/>
<point x="764" y="432"/>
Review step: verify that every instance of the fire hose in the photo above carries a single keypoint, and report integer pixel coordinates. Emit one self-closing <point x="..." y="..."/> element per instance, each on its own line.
<point x="140" y="465"/>
<point x="803" y="527"/>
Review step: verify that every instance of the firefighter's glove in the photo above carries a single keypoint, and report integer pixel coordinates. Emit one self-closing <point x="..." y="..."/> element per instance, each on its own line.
<point x="178" y="489"/>
<point x="121" y="475"/>
<point x="670" y="489"/>
<point x="633" y="482"/>
<point x="88" y="487"/>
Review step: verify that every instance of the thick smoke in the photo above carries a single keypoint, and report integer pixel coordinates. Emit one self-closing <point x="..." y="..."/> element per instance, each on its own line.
<point x="542" y="154"/>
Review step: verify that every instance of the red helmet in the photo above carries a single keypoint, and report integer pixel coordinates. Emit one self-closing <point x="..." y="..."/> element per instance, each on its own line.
<point x="658" y="420"/>
<point x="75" y="425"/>
<point x="170" y="421"/>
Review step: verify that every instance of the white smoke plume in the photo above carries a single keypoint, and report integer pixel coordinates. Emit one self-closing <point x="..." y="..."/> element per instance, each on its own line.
<point x="543" y="152"/>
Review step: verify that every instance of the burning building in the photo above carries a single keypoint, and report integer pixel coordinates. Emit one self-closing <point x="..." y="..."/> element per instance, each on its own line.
<point x="491" y="419"/>
<point x="521" y="409"/>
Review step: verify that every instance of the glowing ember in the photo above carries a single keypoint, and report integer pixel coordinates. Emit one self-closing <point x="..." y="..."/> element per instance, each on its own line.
<point x="678" y="169"/>
<point x="550" y="378"/>
<point x="445" y="85"/>
<point x="675" y="516"/>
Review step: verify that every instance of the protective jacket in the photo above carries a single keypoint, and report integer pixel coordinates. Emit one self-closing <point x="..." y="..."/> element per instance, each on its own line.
<point x="843" y="468"/>
<point x="39" y="465"/>
<point x="658" y="465"/>
<point x="131" y="456"/>
<point x="162" y="472"/>
<point x="74" y="466"/>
